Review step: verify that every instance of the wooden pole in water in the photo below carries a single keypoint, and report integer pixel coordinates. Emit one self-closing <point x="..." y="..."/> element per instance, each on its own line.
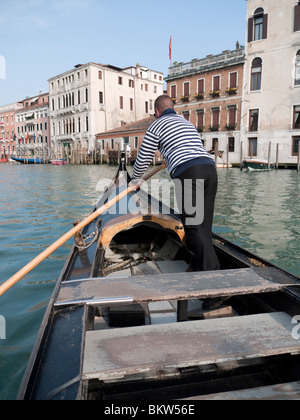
<point x="277" y="155"/>
<point x="241" y="156"/>
<point x="269" y="156"/>
<point x="298" y="160"/>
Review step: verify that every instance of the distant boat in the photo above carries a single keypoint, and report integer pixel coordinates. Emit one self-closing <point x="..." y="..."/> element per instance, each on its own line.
<point x="58" y="162"/>
<point x="30" y="161"/>
<point x="257" y="165"/>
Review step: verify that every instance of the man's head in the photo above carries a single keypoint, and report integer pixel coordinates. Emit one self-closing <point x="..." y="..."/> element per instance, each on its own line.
<point x="162" y="103"/>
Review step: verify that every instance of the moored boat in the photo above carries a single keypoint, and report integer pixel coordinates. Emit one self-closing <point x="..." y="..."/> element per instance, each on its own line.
<point x="58" y="162"/>
<point x="29" y="161"/>
<point x="127" y="320"/>
<point x="257" y="164"/>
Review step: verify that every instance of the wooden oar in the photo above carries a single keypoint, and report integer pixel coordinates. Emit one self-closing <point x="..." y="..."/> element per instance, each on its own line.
<point x="41" y="257"/>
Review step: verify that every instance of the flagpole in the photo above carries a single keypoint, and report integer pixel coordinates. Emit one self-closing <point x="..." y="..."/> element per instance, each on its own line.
<point x="170" y="50"/>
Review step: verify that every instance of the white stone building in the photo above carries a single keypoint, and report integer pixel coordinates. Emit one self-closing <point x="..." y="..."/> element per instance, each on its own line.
<point x="271" y="97"/>
<point x="93" y="98"/>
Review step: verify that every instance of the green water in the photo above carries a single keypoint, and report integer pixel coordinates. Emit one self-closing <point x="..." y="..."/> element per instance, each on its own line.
<point x="259" y="211"/>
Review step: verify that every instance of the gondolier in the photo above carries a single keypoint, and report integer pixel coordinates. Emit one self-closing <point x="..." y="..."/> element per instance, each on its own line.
<point x="187" y="159"/>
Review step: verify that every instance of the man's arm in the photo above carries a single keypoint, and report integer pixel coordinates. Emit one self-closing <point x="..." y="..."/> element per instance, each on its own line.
<point x="146" y="155"/>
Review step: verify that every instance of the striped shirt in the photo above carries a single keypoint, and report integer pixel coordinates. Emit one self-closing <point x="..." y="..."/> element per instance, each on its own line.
<point x="177" y="140"/>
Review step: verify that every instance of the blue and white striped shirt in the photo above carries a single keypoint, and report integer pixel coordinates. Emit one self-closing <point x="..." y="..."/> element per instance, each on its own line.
<point x="177" y="140"/>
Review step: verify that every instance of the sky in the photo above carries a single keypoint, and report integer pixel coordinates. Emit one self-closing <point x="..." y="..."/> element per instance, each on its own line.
<point x="40" y="39"/>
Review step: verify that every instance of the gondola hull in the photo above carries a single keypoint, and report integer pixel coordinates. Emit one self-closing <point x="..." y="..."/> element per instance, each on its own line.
<point x="127" y="319"/>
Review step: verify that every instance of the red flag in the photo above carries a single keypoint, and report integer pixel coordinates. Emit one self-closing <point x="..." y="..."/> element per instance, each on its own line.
<point x="170" y="51"/>
<point x="27" y="138"/>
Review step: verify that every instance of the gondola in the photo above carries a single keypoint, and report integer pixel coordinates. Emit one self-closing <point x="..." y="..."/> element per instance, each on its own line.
<point x="28" y="161"/>
<point x="128" y="320"/>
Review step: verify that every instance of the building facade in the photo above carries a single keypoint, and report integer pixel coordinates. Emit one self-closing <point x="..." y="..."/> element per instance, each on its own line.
<point x="271" y="106"/>
<point x="208" y="92"/>
<point x="8" y="130"/>
<point x="93" y="98"/>
<point x="33" y="127"/>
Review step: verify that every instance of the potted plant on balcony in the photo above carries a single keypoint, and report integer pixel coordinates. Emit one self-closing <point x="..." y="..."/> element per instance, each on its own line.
<point x="185" y="98"/>
<point x="200" y="129"/>
<point x="231" y="91"/>
<point x="214" y="128"/>
<point x="214" y="93"/>
<point x="199" y="96"/>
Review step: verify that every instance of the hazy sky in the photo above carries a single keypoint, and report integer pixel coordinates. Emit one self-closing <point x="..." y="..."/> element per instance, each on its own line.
<point x="40" y="39"/>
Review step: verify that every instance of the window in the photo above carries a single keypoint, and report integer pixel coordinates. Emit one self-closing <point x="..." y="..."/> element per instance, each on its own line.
<point x="253" y="147"/>
<point x="296" y="146"/>
<point x="131" y="83"/>
<point x="215" y="118"/>
<point x="120" y="80"/>
<point x="131" y="104"/>
<point x="86" y="95"/>
<point x="121" y="102"/>
<point x="256" y="72"/>
<point x="296" y="119"/>
<point x="186" y="115"/>
<point x="78" y="97"/>
<point x="174" y="91"/>
<point x="297" y="70"/>
<point x="101" y="98"/>
<point x="258" y="25"/>
<point x="200" y="86"/>
<point x="231" y="143"/>
<point x="186" y="89"/>
<point x="100" y="75"/>
<point x="253" y="120"/>
<point x="216" y="83"/>
<point x="146" y="107"/>
<point x="233" y="80"/>
<point x="200" y="119"/>
<point x="297" y="18"/>
<point x="231" y="117"/>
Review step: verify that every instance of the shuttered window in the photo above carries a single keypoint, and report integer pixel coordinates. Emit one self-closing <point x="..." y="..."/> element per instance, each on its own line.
<point x="186" y="89"/>
<point x="215" y="117"/>
<point x="297" y="18"/>
<point x="200" y="86"/>
<point x="216" y="83"/>
<point x="173" y="91"/>
<point x="258" y="25"/>
<point x="232" y="116"/>
<point x="233" y="80"/>
<point x="200" y="118"/>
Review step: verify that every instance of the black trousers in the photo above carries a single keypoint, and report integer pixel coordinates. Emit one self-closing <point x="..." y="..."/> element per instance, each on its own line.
<point x="199" y="235"/>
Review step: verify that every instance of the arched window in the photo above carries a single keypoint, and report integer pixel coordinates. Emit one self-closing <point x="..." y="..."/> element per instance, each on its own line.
<point x="297" y="69"/>
<point x="258" y="25"/>
<point x="256" y="72"/>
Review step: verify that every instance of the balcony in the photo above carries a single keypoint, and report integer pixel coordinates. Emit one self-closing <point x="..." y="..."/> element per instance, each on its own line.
<point x="209" y="62"/>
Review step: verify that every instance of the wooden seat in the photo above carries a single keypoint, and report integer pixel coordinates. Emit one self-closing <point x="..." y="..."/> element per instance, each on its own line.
<point x="155" y="350"/>
<point x="173" y="286"/>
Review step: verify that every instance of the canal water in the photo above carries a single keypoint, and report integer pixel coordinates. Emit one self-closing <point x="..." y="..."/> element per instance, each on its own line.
<point x="258" y="211"/>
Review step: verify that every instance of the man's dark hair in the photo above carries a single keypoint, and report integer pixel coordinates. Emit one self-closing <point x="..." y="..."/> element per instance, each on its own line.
<point x="164" y="102"/>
